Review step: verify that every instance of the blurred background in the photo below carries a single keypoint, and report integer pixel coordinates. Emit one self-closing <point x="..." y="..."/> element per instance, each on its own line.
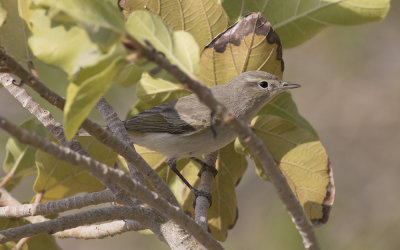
<point x="351" y="95"/>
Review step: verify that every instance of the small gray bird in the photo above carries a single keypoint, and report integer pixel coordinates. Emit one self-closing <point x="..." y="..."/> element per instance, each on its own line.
<point x="185" y="127"/>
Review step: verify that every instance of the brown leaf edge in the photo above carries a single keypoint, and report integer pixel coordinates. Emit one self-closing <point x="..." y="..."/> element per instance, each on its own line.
<point x="253" y="22"/>
<point x="328" y="200"/>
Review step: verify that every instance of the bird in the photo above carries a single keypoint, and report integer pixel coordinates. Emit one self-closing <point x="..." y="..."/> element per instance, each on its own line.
<point x="185" y="128"/>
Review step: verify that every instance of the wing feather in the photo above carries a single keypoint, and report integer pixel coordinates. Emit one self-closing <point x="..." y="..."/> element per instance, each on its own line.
<point x="165" y="118"/>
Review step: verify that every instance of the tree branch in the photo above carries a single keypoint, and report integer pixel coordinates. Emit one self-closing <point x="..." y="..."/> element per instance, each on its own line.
<point x="107" y="175"/>
<point x="101" y="231"/>
<point x="254" y="144"/>
<point x="6" y="199"/>
<point x="43" y="115"/>
<point x="118" y="129"/>
<point x="206" y="180"/>
<point x="54" y="207"/>
<point x="74" y="220"/>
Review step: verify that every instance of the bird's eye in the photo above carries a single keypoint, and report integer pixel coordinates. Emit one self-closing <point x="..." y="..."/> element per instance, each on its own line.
<point x="264" y="84"/>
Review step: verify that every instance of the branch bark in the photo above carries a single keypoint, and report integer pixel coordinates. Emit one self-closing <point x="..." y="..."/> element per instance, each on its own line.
<point x="117" y="128"/>
<point x="101" y="231"/>
<point x="54" y="207"/>
<point x="206" y="181"/>
<point x="72" y="221"/>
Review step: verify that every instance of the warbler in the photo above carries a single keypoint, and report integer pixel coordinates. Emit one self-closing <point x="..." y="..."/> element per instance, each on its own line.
<point x="185" y="127"/>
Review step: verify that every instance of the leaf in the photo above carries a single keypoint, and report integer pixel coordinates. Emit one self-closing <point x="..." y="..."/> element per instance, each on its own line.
<point x="12" y="35"/>
<point x="101" y="19"/>
<point x="159" y="164"/>
<point x="157" y="91"/>
<point x="298" y="21"/>
<point x="35" y="242"/>
<point x="3" y="15"/>
<point x="68" y="48"/>
<point x="47" y="242"/>
<point x="129" y="75"/>
<point x="86" y="90"/>
<point x="250" y="44"/>
<point x="20" y="158"/>
<point x="203" y="19"/>
<point x="284" y="107"/>
<point x="138" y="108"/>
<point x="59" y="179"/>
<point x="302" y="159"/>
<point x="25" y="11"/>
<point x="223" y="212"/>
<point x="179" y="47"/>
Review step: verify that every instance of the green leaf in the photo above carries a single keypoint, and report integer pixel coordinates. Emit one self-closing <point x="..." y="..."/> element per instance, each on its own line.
<point x="12" y="33"/>
<point x="302" y="159"/>
<point x="250" y="44"/>
<point x="129" y="75"/>
<point x="47" y="242"/>
<point x="68" y="48"/>
<point x="157" y="91"/>
<point x="59" y="179"/>
<point x="138" y="108"/>
<point x="19" y="161"/>
<point x="34" y="242"/>
<point x="223" y="212"/>
<point x="298" y="21"/>
<point x="179" y="47"/>
<point x="3" y="15"/>
<point x="101" y="19"/>
<point x="90" y="84"/>
<point x="203" y="19"/>
<point x="284" y="107"/>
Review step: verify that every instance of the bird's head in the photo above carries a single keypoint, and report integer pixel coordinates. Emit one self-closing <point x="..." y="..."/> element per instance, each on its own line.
<point x="261" y="84"/>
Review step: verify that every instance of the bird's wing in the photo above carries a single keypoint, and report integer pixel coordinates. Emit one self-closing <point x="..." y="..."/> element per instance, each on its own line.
<point x="164" y="118"/>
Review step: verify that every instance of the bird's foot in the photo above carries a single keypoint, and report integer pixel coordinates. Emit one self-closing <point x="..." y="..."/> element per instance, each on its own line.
<point x="205" y="167"/>
<point x="198" y="193"/>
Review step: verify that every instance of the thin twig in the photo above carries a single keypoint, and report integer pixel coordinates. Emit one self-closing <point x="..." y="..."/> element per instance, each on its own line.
<point x="43" y="115"/>
<point x="202" y="203"/>
<point x="6" y="199"/>
<point x="23" y="241"/>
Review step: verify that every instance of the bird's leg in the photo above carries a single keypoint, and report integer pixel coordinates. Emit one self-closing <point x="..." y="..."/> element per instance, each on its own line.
<point x="205" y="167"/>
<point x="212" y="124"/>
<point x="172" y="165"/>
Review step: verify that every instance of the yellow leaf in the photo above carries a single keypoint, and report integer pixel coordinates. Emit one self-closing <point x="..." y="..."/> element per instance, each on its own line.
<point x="203" y="19"/>
<point x="59" y="179"/>
<point x="302" y="159"/>
<point x="250" y="44"/>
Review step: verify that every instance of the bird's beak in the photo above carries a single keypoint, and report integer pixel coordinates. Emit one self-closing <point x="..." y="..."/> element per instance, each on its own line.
<point x="287" y="85"/>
